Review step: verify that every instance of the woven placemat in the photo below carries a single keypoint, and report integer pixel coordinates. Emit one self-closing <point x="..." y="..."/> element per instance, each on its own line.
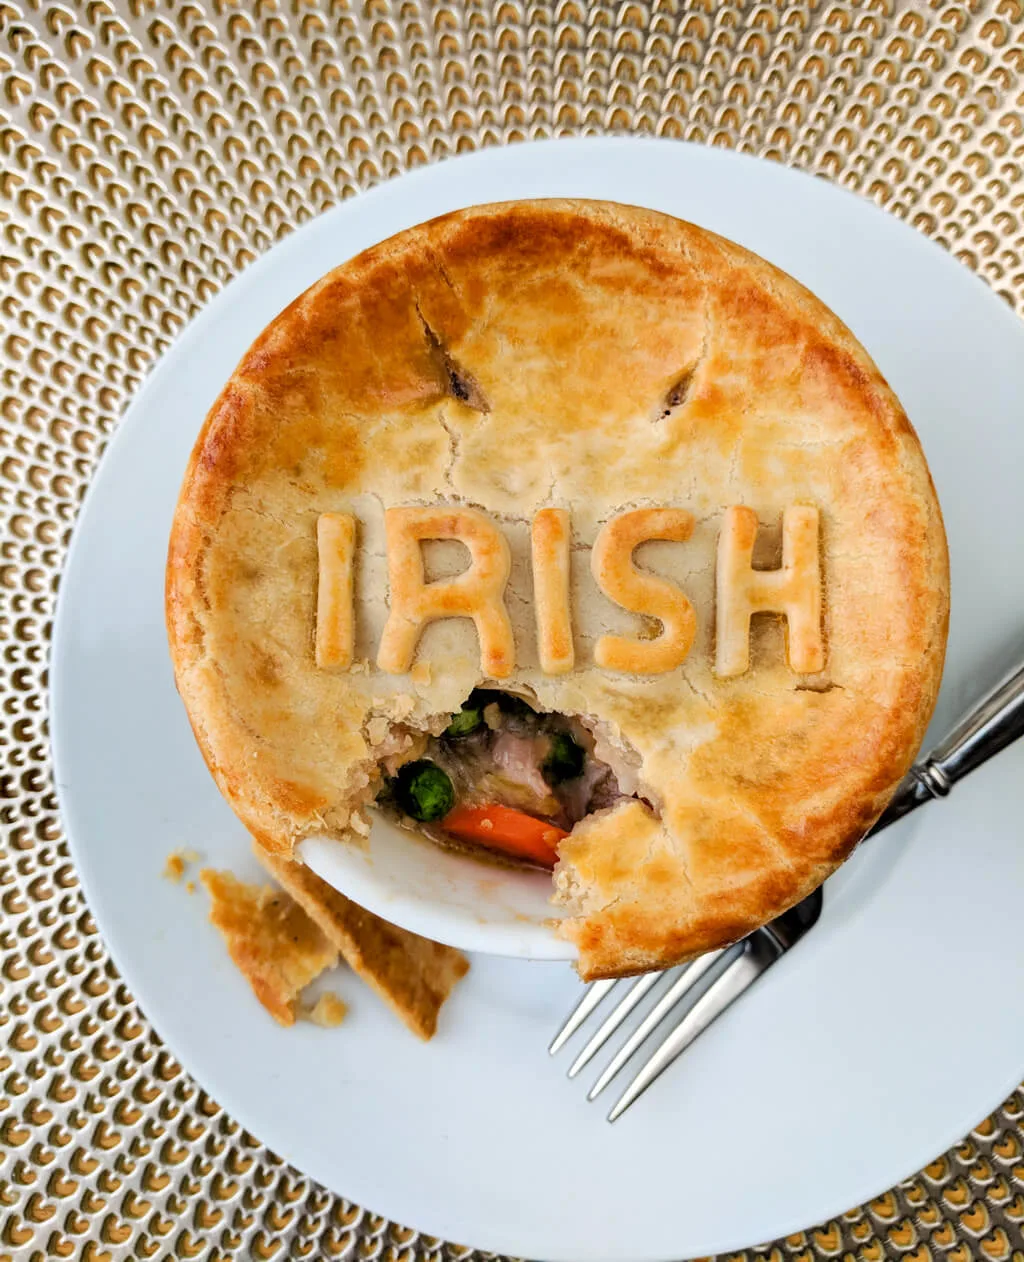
<point x="150" y="151"/>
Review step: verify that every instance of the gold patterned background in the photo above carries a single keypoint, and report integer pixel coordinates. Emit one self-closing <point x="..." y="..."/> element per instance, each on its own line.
<point x="149" y="152"/>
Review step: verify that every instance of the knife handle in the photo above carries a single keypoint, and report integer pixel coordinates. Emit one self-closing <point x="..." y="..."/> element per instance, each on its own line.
<point x="995" y="722"/>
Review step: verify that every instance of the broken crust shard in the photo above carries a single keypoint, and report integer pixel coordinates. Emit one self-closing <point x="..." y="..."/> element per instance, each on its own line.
<point x="329" y="1011"/>
<point x="271" y="939"/>
<point x="281" y="940"/>
<point x="413" y="975"/>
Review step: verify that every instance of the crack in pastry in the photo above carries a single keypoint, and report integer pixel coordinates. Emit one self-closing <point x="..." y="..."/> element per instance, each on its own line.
<point x="459" y="383"/>
<point x="678" y="392"/>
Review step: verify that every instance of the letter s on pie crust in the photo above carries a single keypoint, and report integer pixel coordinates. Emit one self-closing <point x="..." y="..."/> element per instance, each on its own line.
<point x="618" y="577"/>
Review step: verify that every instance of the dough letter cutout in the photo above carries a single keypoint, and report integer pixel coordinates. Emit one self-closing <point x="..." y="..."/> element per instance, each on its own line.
<point x="793" y="590"/>
<point x="335" y="621"/>
<point x="550" y="539"/>
<point x="476" y="593"/>
<point x="612" y="564"/>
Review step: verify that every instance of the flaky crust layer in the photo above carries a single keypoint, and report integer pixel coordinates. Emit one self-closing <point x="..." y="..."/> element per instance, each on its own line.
<point x="596" y="358"/>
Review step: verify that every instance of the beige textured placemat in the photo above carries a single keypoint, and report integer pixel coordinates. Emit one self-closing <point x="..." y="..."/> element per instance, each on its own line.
<point x="150" y="151"/>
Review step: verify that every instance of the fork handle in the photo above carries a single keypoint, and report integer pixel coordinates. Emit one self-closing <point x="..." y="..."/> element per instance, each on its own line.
<point x="995" y="722"/>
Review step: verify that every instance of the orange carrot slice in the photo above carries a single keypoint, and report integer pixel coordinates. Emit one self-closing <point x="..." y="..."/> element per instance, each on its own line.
<point x="506" y="829"/>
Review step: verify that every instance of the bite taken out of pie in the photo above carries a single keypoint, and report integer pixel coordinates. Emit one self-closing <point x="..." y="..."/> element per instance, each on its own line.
<point x="574" y="534"/>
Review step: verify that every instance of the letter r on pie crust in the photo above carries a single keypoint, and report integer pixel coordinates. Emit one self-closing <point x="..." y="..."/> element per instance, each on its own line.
<point x="793" y="590"/>
<point x="477" y="593"/>
<point x="612" y="564"/>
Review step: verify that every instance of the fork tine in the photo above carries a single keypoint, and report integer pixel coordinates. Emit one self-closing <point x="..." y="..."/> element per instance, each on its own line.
<point x="614" y="1019"/>
<point x="591" y="997"/>
<point x="744" y="970"/>
<point x="688" y="978"/>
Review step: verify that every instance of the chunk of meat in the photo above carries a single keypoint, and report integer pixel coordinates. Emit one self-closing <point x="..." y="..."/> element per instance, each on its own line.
<point x="519" y="758"/>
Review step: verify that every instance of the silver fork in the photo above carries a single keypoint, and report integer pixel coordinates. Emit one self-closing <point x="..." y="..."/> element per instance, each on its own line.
<point x="703" y="989"/>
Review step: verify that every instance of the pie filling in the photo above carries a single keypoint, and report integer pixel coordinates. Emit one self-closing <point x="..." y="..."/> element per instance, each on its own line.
<point x="504" y="781"/>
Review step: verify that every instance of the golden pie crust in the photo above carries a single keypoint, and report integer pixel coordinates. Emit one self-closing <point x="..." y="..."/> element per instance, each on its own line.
<point x="597" y="359"/>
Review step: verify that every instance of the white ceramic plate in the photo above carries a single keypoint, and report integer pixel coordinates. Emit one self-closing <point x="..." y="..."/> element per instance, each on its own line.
<point x="845" y="1070"/>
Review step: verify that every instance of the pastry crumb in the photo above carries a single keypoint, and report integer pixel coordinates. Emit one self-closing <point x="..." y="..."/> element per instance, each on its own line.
<point x="174" y="868"/>
<point x="177" y="862"/>
<point x="190" y="887"/>
<point x="328" y="1011"/>
<point x="402" y="705"/>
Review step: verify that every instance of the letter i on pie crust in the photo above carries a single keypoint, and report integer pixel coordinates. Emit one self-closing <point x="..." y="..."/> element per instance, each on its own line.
<point x="602" y="520"/>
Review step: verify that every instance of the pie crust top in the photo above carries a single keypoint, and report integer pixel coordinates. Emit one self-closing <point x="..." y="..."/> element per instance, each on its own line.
<point x="592" y="358"/>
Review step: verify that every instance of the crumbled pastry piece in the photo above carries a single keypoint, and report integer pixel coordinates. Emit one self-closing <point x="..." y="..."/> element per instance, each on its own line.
<point x="177" y="861"/>
<point x="328" y="1011"/>
<point x="190" y="887"/>
<point x="413" y="975"/>
<point x="174" y="868"/>
<point x="275" y="944"/>
<point x="402" y="705"/>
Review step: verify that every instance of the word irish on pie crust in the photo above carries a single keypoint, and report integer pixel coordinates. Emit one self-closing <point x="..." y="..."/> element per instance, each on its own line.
<point x="794" y="590"/>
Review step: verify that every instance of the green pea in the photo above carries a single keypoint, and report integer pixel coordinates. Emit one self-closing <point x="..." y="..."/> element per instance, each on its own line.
<point x="421" y="789"/>
<point x="466" y="721"/>
<point x="565" y="759"/>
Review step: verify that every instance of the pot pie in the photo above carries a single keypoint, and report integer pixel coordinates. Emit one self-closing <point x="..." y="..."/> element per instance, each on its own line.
<point x="572" y="534"/>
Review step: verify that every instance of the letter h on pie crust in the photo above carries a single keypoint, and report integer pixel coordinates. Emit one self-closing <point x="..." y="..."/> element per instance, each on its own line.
<point x="793" y="590"/>
<point x="476" y="593"/>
